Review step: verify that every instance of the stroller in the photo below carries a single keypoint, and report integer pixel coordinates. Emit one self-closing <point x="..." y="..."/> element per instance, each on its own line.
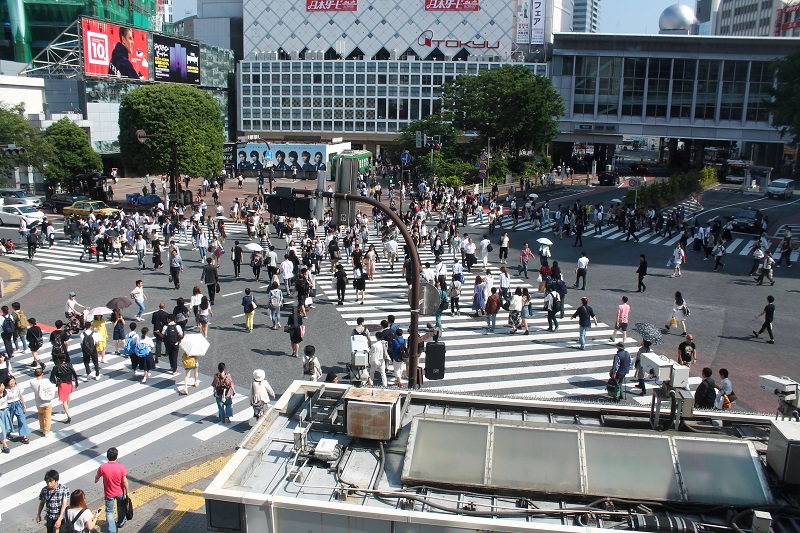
<point x="6" y="246"/>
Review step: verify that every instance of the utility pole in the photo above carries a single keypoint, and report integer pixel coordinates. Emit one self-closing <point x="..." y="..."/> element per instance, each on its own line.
<point x="413" y="330"/>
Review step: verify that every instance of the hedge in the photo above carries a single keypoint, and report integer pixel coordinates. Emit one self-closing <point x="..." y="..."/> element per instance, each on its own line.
<point x="677" y="187"/>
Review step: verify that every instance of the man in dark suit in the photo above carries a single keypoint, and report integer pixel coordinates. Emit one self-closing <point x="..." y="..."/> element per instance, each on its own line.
<point x="210" y="278"/>
<point x="159" y="320"/>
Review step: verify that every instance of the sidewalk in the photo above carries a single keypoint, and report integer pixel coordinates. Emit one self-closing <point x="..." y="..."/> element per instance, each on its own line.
<point x="12" y="277"/>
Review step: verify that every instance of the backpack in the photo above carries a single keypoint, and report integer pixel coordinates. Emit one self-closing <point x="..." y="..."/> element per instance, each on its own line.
<point x="248" y="304"/>
<point x="87" y="344"/>
<point x="274" y="300"/>
<point x="57" y="348"/>
<point x="8" y="325"/>
<point x="171" y="336"/>
<point x="399" y="350"/>
<point x="141" y="350"/>
<point x="445" y="301"/>
<point x="130" y="347"/>
<point x="220" y="390"/>
<point x="20" y="320"/>
<point x="46" y="392"/>
<point x="308" y="366"/>
<point x="556" y="302"/>
<point x="562" y="287"/>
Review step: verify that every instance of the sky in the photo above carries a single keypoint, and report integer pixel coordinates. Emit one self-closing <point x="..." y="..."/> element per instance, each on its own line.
<point x="633" y="16"/>
<point x="616" y="16"/>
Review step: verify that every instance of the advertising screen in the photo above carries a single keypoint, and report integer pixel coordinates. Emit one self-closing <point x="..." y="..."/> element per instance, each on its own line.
<point x="175" y="60"/>
<point x="114" y="51"/>
<point x="331" y="5"/>
<point x="256" y="156"/>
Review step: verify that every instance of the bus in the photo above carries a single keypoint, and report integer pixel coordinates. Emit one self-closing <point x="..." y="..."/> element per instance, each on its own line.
<point x="734" y="170"/>
<point x="364" y="158"/>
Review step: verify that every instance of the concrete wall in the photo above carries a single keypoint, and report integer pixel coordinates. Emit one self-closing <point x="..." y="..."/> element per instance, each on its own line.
<point x="28" y="91"/>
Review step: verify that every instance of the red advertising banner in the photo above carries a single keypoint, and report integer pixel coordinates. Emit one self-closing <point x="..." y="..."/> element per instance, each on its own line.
<point x="452" y="5"/>
<point x="331" y="5"/>
<point x="114" y="51"/>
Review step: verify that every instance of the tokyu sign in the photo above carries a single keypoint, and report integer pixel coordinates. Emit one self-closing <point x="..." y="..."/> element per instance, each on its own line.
<point x="426" y="38"/>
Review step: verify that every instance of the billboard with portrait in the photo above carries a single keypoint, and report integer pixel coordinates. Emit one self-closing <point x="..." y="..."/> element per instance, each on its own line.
<point x="114" y="51"/>
<point x="175" y="60"/>
<point x="255" y="156"/>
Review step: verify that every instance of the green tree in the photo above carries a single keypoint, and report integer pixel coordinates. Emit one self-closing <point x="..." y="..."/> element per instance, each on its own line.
<point x="182" y="111"/>
<point x="73" y="152"/>
<point x="519" y="109"/>
<point x="785" y="104"/>
<point x="15" y="129"/>
<point x="435" y="125"/>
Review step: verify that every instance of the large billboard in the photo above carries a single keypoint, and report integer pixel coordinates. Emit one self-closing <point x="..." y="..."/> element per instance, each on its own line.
<point x="114" y="51"/>
<point x="452" y="5"/>
<point x="524" y="22"/>
<point x="537" y="21"/>
<point x="175" y="60"/>
<point x="255" y="156"/>
<point x="331" y="5"/>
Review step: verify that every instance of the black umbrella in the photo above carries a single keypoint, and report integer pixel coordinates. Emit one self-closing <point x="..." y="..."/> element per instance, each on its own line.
<point x="120" y="302"/>
<point x="649" y="332"/>
<point x="112" y="233"/>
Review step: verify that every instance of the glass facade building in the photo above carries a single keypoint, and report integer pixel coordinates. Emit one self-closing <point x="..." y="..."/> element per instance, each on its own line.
<point x="669" y="86"/>
<point x="345" y="97"/>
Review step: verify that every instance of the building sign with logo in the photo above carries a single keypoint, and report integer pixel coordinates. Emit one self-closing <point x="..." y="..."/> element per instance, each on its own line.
<point x="776" y="32"/>
<point x="523" y="22"/>
<point x="331" y="5"/>
<point x="537" y="21"/>
<point x="427" y="38"/>
<point x="114" y="51"/>
<point x="452" y="5"/>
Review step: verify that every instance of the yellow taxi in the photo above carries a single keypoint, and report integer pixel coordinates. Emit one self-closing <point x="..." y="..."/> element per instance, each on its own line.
<point x="84" y="207"/>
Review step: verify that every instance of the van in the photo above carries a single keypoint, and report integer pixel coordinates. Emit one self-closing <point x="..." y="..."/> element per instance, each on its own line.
<point x="782" y="188"/>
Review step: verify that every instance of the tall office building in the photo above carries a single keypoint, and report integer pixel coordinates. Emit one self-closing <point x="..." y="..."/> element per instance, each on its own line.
<point x="586" y="16"/>
<point x="705" y="13"/>
<point x="756" y="18"/>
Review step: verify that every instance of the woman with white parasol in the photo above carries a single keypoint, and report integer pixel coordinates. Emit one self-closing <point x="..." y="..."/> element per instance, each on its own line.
<point x="193" y="345"/>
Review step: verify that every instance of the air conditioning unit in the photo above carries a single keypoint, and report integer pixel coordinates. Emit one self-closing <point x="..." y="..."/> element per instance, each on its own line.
<point x="393" y="54"/>
<point x="372" y="414"/>
<point x="783" y="450"/>
<point x="448" y="58"/>
<point x="295" y="55"/>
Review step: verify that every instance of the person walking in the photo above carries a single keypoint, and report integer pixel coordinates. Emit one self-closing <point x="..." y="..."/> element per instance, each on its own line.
<point x="504" y="242"/>
<point x="194" y="302"/>
<point x="78" y="517"/>
<point x="581" y="269"/>
<point x="296" y="330"/>
<point x="621" y="324"/>
<point x="718" y="252"/>
<point x="553" y="304"/>
<point x="585" y="315"/>
<point x="492" y="307"/>
<point x="89" y="352"/>
<point x="140" y="247"/>
<point x="275" y="304"/>
<point x="359" y="282"/>
<point x="210" y="277"/>
<point x="544" y="255"/>
<point x="643" y="348"/>
<point x="159" y="320"/>
<point x="455" y="295"/>
<point x="63" y="376"/>
<point x="312" y="370"/>
<point x="190" y="364"/>
<point x="260" y="393"/>
<point x="249" y="306"/>
<point x="43" y="394"/>
<point x="766" y="269"/>
<point x="20" y="327"/>
<point x="340" y="277"/>
<point x="138" y="297"/>
<point x="679" y="312"/>
<point x="224" y="392"/>
<point x="204" y="314"/>
<point x="525" y="256"/>
<point x="53" y="499"/>
<point x="144" y="354"/>
<point x="641" y="272"/>
<point x="236" y="256"/>
<point x="678" y="258"/>
<point x="175" y="268"/>
<point x="256" y="263"/>
<point x="444" y="302"/>
<point x="7" y="331"/>
<point x="115" y="487"/>
<point x="769" y="316"/>
<point x="620" y="369"/>
<point x="687" y="351"/>
<point x="101" y="337"/>
<point x="117" y="330"/>
<point x="171" y="334"/>
<point x="478" y="297"/>
<point x="16" y="408"/>
<point x="35" y="342"/>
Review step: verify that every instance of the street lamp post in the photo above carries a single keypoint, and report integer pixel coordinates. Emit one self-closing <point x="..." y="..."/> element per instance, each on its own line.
<point x="174" y="180"/>
<point x="488" y="156"/>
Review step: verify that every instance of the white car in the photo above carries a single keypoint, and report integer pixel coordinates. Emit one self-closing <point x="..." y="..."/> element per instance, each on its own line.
<point x="11" y="214"/>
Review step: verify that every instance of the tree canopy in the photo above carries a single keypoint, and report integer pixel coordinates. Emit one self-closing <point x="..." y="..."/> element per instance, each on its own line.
<point x="433" y="126"/>
<point x="72" y="152"/>
<point x="519" y="109"/>
<point x="15" y="129"/>
<point x="183" y="111"/>
<point x="785" y="106"/>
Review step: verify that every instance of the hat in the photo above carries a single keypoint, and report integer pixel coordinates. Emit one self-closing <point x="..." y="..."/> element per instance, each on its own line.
<point x="258" y="375"/>
<point x="71" y="294"/>
<point x="584" y="300"/>
<point x="310" y="350"/>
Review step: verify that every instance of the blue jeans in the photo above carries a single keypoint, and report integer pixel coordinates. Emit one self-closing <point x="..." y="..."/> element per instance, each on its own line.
<point x="112" y="524"/>
<point x="438" y="316"/>
<point x="15" y="411"/>
<point x="275" y="315"/>
<point x="583" y="331"/>
<point x="523" y="268"/>
<point x="491" y="321"/>
<point x="140" y="305"/>
<point x="225" y="407"/>
<point x="202" y="253"/>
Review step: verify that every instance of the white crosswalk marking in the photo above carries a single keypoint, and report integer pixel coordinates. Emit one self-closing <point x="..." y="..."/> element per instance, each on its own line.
<point x="542" y="363"/>
<point x="114" y="411"/>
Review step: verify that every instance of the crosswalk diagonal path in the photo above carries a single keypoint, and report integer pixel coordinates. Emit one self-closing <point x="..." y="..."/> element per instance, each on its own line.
<point x="140" y="419"/>
<point x="541" y="364"/>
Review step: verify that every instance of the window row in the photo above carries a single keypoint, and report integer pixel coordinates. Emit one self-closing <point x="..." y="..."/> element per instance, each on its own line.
<point x="376" y="108"/>
<point x="339" y="90"/>
<point x="349" y="79"/>
<point x="435" y="67"/>
<point x="339" y="126"/>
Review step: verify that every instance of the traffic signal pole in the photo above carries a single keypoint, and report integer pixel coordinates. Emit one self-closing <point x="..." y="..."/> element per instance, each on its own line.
<point x="413" y="329"/>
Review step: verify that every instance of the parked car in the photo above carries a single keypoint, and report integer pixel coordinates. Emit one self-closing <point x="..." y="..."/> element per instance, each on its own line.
<point x="84" y="207"/>
<point x="745" y="220"/>
<point x="782" y="188"/>
<point x="59" y="201"/>
<point x="19" y="197"/>
<point x="609" y="177"/>
<point x="11" y="215"/>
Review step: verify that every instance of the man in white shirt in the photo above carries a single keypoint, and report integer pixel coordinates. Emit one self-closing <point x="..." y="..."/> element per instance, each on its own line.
<point x="580" y="271"/>
<point x="391" y="251"/>
<point x="43" y="394"/>
<point x="469" y="250"/>
<point x="138" y="296"/>
<point x="440" y="269"/>
<point x="428" y="273"/>
<point x="202" y="244"/>
<point x="140" y="245"/>
<point x="485" y="243"/>
<point x="286" y="270"/>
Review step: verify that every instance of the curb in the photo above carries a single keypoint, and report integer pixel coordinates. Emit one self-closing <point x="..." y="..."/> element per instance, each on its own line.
<point x="31" y="275"/>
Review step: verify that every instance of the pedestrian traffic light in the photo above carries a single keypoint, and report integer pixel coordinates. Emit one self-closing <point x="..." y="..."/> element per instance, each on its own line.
<point x="13" y="150"/>
<point x="283" y="202"/>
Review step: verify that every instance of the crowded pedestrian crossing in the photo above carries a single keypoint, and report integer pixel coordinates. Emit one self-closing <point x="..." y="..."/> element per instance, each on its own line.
<point x="116" y="410"/>
<point x="541" y="364"/>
